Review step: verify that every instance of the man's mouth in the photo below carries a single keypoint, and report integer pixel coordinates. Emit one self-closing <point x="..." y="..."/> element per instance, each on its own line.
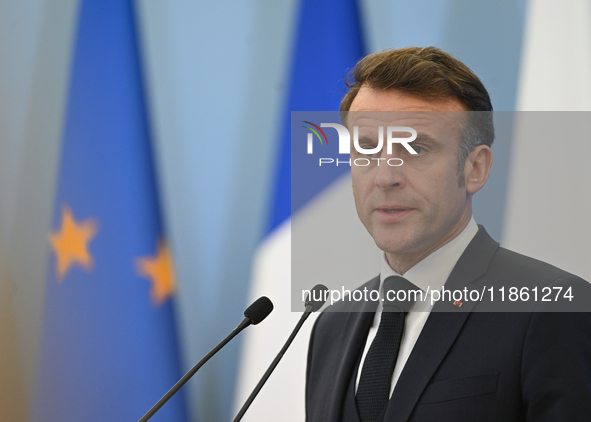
<point x="392" y="213"/>
<point x="393" y="210"/>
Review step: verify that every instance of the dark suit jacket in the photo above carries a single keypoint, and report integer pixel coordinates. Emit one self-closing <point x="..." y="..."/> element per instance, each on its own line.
<point x="469" y="365"/>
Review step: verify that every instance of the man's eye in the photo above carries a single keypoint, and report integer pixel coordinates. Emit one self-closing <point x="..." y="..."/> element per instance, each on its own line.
<point x="417" y="149"/>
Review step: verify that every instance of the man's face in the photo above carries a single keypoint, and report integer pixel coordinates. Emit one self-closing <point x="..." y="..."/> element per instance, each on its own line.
<point x="413" y="209"/>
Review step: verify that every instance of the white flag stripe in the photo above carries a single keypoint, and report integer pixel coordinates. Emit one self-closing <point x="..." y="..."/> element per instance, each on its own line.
<point x="282" y="397"/>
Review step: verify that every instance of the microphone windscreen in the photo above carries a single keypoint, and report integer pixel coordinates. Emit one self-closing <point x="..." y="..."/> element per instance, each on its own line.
<point x="317" y="297"/>
<point x="259" y="310"/>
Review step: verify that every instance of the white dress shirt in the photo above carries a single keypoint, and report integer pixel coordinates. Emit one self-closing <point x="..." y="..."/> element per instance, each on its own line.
<point x="429" y="274"/>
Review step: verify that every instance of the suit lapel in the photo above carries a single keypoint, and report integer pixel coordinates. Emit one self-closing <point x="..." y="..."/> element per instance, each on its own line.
<point x="441" y="329"/>
<point x="353" y="331"/>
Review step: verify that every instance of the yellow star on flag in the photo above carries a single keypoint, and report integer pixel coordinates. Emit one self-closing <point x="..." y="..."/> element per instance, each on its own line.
<point x="70" y="243"/>
<point x="160" y="271"/>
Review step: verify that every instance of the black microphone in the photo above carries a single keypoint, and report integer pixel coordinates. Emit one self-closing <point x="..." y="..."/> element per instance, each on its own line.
<point x="254" y="314"/>
<point x="313" y="302"/>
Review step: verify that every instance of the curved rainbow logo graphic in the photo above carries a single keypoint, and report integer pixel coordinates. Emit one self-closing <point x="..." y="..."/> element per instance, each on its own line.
<point x="318" y="129"/>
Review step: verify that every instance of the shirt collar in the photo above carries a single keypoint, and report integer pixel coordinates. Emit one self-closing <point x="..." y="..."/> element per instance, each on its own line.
<point x="432" y="272"/>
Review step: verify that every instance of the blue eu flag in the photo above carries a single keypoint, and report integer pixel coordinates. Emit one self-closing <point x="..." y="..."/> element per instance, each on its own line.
<point x="108" y="349"/>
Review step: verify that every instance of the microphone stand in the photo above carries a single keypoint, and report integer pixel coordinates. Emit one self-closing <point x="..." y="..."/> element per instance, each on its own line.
<point x="305" y="315"/>
<point x="245" y="323"/>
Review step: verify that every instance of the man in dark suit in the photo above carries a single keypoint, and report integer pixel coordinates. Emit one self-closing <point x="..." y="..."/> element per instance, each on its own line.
<point x="455" y="359"/>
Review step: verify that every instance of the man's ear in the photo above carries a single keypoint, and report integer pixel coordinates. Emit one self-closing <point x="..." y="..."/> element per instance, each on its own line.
<point x="477" y="168"/>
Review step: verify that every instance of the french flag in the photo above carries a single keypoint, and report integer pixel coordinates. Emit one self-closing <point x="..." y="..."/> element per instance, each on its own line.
<point x="327" y="44"/>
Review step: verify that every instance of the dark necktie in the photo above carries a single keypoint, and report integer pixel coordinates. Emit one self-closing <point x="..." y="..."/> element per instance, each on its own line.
<point x="374" y="384"/>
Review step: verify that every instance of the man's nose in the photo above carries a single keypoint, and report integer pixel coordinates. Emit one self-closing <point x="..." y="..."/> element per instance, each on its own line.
<point x="389" y="173"/>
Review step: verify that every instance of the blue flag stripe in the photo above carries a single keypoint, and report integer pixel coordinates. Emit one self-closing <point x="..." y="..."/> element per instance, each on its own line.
<point x="328" y="42"/>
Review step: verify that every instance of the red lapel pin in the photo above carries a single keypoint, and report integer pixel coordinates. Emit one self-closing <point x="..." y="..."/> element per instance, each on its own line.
<point x="458" y="303"/>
